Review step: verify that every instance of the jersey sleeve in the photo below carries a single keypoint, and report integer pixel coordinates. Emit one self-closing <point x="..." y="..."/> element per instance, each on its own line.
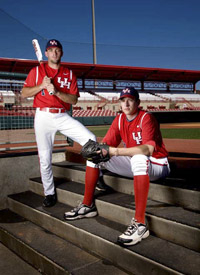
<point x="149" y="130"/>
<point x="151" y="135"/>
<point x="74" y="87"/>
<point x="113" y="137"/>
<point x="31" y="79"/>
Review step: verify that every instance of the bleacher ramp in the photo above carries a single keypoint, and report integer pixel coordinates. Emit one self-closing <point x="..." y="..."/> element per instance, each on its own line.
<point x="52" y="245"/>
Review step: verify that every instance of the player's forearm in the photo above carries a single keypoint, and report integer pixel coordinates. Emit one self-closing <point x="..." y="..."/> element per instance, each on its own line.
<point x="67" y="98"/>
<point x="31" y="91"/>
<point x="146" y="150"/>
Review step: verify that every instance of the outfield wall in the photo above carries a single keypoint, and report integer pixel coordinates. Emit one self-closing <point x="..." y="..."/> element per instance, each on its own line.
<point x="162" y="117"/>
<point x="177" y="116"/>
<point x="11" y="122"/>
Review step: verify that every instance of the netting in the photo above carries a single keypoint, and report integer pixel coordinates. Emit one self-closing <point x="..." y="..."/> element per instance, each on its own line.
<point x="17" y="118"/>
<point x="18" y="45"/>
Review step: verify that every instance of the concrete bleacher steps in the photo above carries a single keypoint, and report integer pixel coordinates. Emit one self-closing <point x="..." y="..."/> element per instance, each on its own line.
<point x="166" y="221"/>
<point x="89" y="246"/>
<point x="10" y="263"/>
<point x="165" y="191"/>
<point x="99" y="236"/>
<point x="47" y="252"/>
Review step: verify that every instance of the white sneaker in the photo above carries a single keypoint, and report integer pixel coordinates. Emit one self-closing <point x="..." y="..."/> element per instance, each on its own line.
<point x="81" y="211"/>
<point x="134" y="233"/>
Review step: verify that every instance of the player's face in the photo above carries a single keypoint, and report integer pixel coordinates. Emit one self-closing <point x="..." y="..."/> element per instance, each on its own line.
<point x="54" y="55"/>
<point x="129" y="106"/>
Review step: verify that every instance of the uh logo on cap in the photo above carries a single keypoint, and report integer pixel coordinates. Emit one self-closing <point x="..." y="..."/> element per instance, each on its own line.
<point x="53" y="43"/>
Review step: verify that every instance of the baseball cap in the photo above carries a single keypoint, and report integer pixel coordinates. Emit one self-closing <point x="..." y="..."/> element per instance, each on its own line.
<point x="129" y="92"/>
<point x="53" y="43"/>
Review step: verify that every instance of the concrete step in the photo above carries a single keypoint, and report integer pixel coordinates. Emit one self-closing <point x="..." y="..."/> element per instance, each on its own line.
<point x="166" y="221"/>
<point x="176" y="191"/>
<point x="45" y="251"/>
<point x="99" y="235"/>
<point x="10" y="263"/>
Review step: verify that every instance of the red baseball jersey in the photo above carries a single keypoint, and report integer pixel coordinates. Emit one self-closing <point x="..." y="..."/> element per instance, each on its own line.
<point x="63" y="79"/>
<point x="143" y="129"/>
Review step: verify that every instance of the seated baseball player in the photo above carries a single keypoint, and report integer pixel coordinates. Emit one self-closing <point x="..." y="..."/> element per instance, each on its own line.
<point x="142" y="158"/>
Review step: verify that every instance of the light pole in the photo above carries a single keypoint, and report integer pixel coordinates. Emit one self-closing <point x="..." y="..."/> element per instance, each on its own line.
<point x="94" y="34"/>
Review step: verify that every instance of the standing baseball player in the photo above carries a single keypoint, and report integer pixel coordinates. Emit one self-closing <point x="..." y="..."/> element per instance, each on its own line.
<point x="143" y="158"/>
<point x="54" y="88"/>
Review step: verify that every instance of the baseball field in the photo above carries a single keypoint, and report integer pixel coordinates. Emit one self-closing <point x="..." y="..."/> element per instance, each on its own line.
<point x="178" y="137"/>
<point x="177" y="131"/>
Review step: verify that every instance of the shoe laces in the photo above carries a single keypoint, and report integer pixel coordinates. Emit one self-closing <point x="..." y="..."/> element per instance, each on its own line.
<point x="78" y="207"/>
<point x="131" y="228"/>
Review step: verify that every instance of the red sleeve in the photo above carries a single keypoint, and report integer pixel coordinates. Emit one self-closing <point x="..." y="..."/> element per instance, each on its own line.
<point x="149" y="130"/>
<point x="113" y="137"/>
<point x="151" y="135"/>
<point x="31" y="79"/>
<point x="74" y="87"/>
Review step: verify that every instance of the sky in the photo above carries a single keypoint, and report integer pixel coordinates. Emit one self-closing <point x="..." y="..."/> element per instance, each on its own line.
<point x="141" y="33"/>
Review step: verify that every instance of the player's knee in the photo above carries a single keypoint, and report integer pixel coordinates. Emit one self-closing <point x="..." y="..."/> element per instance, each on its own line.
<point x="45" y="167"/>
<point x="140" y="165"/>
<point x="93" y="137"/>
<point x="45" y="162"/>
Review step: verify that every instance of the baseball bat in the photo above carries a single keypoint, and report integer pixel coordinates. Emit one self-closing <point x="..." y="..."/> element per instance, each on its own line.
<point x="39" y="56"/>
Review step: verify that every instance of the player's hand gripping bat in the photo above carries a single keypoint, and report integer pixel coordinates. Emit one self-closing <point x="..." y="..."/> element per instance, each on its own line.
<point x="38" y="53"/>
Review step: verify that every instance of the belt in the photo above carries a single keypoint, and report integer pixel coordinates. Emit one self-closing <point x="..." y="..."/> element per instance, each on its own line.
<point x="52" y="110"/>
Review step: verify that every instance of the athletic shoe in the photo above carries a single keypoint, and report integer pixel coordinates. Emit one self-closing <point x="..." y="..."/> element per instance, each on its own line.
<point x="101" y="186"/>
<point x="134" y="233"/>
<point x="50" y="200"/>
<point x="81" y="211"/>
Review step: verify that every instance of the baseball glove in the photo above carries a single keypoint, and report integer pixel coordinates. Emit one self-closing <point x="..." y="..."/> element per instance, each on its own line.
<point x="95" y="152"/>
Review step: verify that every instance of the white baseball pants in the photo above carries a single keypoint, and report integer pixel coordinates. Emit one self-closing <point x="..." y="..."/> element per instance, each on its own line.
<point x="138" y="165"/>
<point x="46" y="125"/>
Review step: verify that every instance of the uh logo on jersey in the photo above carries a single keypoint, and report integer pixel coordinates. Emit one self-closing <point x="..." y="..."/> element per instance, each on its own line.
<point x="137" y="137"/>
<point x="64" y="82"/>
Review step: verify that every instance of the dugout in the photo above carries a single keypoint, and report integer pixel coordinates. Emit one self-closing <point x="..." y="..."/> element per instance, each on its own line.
<point x="100" y="80"/>
<point x="113" y="78"/>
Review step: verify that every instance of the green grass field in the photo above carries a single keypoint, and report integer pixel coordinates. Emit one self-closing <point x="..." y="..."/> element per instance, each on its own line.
<point x="193" y="133"/>
<point x="180" y="133"/>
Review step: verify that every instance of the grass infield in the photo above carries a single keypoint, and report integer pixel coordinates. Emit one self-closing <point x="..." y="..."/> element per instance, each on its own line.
<point x="179" y="133"/>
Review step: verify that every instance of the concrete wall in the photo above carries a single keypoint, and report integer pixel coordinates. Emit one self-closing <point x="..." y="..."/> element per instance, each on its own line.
<point x="16" y="171"/>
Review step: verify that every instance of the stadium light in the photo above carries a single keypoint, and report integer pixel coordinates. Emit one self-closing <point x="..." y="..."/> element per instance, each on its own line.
<point x="94" y="34"/>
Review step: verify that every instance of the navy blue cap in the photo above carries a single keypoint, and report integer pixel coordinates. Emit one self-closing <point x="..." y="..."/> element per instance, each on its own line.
<point x="53" y="43"/>
<point x="129" y="92"/>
